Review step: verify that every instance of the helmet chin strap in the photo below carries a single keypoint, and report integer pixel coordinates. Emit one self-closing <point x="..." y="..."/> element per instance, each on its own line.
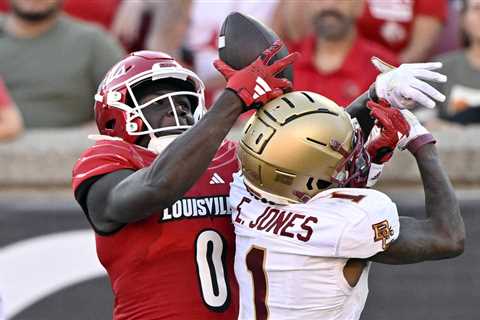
<point x="158" y="144"/>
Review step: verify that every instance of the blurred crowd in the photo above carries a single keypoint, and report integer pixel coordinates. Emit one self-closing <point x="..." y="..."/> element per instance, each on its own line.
<point x="53" y="53"/>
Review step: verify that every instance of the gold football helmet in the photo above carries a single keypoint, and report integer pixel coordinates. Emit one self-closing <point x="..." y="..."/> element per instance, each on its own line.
<point x="300" y="144"/>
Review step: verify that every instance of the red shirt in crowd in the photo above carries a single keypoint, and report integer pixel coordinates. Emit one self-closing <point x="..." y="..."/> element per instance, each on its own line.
<point x="5" y="100"/>
<point x="97" y="11"/>
<point x="390" y="22"/>
<point x="350" y="80"/>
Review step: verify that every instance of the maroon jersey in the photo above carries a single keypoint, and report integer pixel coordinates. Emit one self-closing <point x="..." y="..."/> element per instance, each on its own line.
<point x="177" y="264"/>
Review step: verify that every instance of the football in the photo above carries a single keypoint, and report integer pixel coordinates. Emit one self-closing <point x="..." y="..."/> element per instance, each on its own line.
<point x="243" y="38"/>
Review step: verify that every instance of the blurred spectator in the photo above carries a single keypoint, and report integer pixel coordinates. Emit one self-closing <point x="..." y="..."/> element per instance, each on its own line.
<point x="449" y="38"/>
<point x="131" y="24"/>
<point x="463" y="70"/>
<point x="52" y="64"/>
<point x="335" y="61"/>
<point x="204" y="29"/>
<point x="101" y="12"/>
<point x="165" y="30"/>
<point x="185" y="29"/>
<point x="408" y="27"/>
<point x="11" y="124"/>
<point x="292" y="22"/>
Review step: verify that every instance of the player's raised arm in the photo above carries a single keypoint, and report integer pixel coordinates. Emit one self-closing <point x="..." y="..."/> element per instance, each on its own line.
<point x="401" y="87"/>
<point x="131" y="196"/>
<point x="441" y="235"/>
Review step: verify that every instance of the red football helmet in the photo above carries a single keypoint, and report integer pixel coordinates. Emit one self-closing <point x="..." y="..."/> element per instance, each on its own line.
<point x="118" y="119"/>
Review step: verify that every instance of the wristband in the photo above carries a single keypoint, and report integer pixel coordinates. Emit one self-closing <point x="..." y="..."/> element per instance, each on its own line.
<point x="420" y="141"/>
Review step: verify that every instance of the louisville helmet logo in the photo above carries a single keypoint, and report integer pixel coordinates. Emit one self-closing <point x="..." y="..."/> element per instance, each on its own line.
<point x="115" y="73"/>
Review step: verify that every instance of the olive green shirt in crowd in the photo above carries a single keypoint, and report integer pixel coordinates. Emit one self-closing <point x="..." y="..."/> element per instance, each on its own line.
<point x="53" y="78"/>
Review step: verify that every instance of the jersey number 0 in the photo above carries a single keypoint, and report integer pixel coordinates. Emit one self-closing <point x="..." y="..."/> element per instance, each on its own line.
<point x="210" y="255"/>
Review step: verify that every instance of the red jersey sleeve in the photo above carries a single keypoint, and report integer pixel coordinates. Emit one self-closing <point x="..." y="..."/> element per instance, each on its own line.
<point x="104" y="157"/>
<point x="436" y="9"/>
<point x="5" y="100"/>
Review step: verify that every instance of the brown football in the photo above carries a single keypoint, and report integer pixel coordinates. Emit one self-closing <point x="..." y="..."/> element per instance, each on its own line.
<point x="243" y="38"/>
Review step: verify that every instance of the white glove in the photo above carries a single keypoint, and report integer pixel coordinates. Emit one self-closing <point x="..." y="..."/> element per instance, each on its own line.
<point x="418" y="135"/>
<point x="406" y="84"/>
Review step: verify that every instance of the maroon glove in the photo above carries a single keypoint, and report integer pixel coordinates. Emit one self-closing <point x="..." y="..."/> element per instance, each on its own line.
<point x="256" y="84"/>
<point x="392" y="127"/>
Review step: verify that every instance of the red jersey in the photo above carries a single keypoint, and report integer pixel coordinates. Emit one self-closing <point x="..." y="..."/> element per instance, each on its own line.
<point x="390" y="22"/>
<point x="353" y="78"/>
<point x="176" y="264"/>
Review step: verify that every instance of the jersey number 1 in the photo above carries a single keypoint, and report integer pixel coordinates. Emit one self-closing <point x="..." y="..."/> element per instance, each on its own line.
<point x="210" y="259"/>
<point x="255" y="260"/>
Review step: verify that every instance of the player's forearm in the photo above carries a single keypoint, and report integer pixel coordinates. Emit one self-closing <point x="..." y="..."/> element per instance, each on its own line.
<point x="414" y="244"/>
<point x="181" y="164"/>
<point x="358" y="109"/>
<point x="441" y="204"/>
<point x="441" y="235"/>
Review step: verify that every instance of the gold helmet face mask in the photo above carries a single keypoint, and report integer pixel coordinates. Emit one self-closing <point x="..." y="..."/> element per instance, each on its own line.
<point x="299" y="145"/>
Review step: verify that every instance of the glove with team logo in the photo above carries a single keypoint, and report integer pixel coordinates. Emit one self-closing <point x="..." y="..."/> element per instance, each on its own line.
<point x="393" y="127"/>
<point x="406" y="85"/>
<point x="256" y="84"/>
<point x="418" y="136"/>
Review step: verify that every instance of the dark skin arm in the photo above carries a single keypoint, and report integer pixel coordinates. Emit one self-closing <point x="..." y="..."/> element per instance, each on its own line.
<point x="127" y="196"/>
<point x="441" y="235"/>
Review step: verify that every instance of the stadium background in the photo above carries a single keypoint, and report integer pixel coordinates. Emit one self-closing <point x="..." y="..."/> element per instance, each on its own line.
<point x="49" y="270"/>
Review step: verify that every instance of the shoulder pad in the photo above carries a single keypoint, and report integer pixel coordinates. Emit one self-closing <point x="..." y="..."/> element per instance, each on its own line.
<point x="370" y="218"/>
<point x="372" y="234"/>
<point x="107" y="156"/>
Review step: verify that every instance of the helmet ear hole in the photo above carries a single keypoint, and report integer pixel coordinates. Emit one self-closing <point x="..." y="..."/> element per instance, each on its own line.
<point x="322" y="184"/>
<point x="110" y="124"/>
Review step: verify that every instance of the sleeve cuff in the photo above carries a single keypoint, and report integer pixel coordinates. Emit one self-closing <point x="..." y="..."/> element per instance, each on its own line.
<point x="420" y="141"/>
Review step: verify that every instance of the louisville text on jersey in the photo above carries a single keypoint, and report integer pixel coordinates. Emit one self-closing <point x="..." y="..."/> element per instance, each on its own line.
<point x="196" y="207"/>
<point x="279" y="222"/>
